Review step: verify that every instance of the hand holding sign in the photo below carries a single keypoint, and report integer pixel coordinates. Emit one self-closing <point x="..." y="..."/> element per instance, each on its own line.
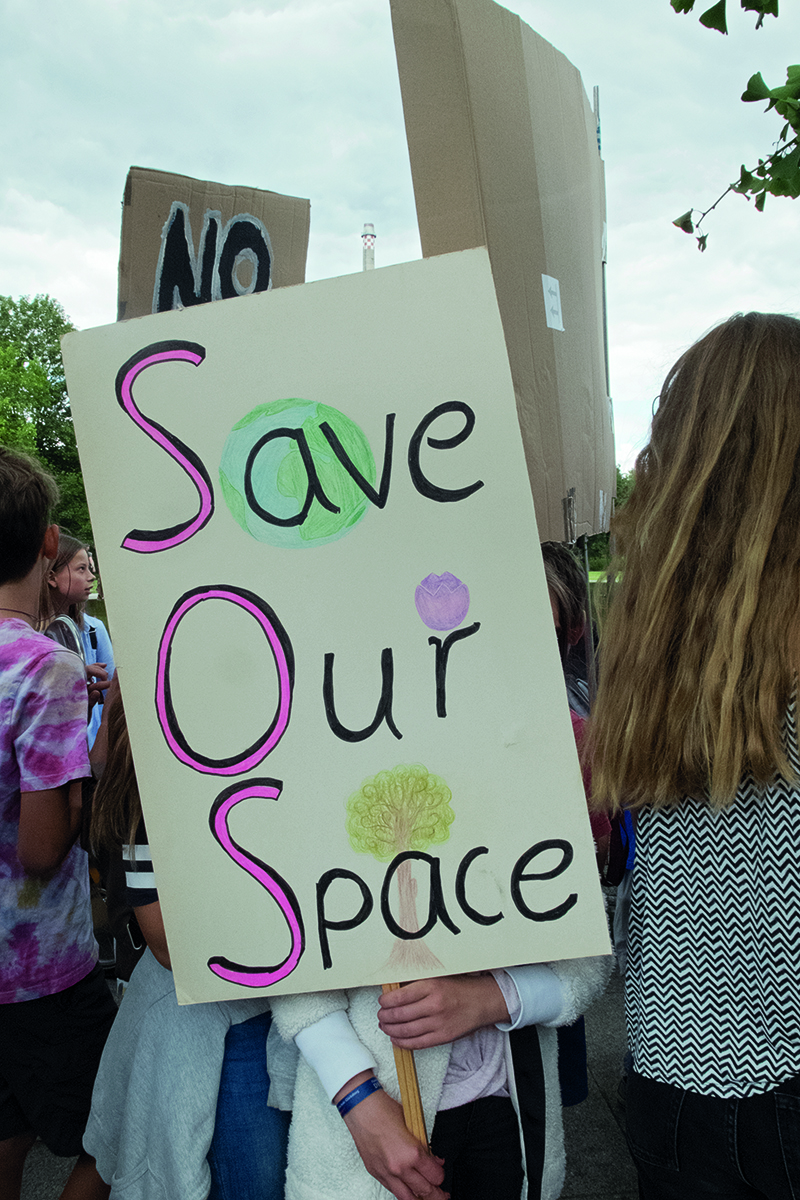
<point x="433" y="1012"/>
<point x="390" y="1152"/>
<point x="430" y="1012"/>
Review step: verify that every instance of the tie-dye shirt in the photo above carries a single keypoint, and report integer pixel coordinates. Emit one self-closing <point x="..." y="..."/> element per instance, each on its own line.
<point x="46" y="938"/>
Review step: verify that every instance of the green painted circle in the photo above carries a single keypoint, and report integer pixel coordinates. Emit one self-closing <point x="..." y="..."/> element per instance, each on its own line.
<point x="279" y="478"/>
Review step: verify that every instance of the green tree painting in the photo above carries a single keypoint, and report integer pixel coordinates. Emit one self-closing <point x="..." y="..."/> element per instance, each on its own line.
<point x="406" y="808"/>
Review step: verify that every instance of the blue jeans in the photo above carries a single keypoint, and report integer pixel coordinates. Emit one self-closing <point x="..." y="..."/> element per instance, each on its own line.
<point x="248" y="1151"/>
<point x="688" y="1146"/>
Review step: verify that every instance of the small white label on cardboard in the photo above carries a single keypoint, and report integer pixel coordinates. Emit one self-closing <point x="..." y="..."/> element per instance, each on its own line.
<point x="552" y="302"/>
<point x="605" y="515"/>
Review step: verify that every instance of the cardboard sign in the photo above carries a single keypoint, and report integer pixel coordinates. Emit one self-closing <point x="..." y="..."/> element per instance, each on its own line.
<point x="336" y="649"/>
<point x="504" y="154"/>
<point x="187" y="241"/>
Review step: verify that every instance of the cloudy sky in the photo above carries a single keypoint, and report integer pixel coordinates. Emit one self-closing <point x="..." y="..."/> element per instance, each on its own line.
<point x="302" y="97"/>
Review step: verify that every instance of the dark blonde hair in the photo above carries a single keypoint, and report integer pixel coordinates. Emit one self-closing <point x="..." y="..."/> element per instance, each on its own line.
<point x="567" y="583"/>
<point x="116" y="807"/>
<point x="68" y="547"/>
<point x="701" y="646"/>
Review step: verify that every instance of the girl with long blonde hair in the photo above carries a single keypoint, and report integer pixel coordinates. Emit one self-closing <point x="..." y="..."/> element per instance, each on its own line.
<point x="695" y="728"/>
<point x="65" y="590"/>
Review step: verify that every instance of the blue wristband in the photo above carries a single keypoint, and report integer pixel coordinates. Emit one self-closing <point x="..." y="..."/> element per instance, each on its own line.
<point x="357" y="1095"/>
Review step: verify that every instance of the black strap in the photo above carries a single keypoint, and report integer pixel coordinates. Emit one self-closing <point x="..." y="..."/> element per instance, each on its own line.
<point x="526" y="1056"/>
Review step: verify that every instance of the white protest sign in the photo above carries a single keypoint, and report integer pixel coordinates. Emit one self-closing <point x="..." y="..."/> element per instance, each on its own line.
<point x="337" y="655"/>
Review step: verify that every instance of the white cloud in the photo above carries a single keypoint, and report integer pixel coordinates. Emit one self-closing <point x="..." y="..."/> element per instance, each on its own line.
<point x="46" y="248"/>
<point x="302" y="97"/>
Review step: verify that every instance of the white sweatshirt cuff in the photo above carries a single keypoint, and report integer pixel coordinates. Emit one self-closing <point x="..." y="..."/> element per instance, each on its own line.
<point x="540" y="995"/>
<point x="331" y="1048"/>
<point x="511" y="997"/>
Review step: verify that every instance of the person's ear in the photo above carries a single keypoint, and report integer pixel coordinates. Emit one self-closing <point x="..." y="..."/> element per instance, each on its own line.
<point x="50" y="543"/>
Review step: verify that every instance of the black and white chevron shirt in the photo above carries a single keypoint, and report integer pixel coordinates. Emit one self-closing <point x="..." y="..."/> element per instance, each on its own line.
<point x="712" y="987"/>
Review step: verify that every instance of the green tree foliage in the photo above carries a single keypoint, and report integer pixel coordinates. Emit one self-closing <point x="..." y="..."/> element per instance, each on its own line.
<point x="779" y="173"/>
<point x="599" y="552"/>
<point x="24" y="390"/>
<point x="406" y="808"/>
<point x="716" y="17"/>
<point x="34" y="407"/>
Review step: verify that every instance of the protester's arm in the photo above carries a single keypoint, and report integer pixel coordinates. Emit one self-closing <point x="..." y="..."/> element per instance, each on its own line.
<point x="105" y="650"/>
<point x="331" y="1048"/>
<point x="142" y="895"/>
<point x="51" y="754"/>
<point x="329" y="1044"/>
<point x="151" y="924"/>
<point x="389" y="1152"/>
<point x="430" y="1012"/>
<point x="49" y="823"/>
<point x="97" y="682"/>
<point x="99" y="751"/>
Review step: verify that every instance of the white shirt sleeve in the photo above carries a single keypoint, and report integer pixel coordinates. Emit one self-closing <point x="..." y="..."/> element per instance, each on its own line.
<point x="331" y="1048"/>
<point x="539" y="995"/>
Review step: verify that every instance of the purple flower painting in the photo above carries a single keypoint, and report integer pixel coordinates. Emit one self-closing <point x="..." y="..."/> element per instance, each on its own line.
<point x="442" y="601"/>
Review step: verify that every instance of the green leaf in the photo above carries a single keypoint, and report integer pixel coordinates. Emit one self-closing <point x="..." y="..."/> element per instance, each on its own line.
<point x="764" y="8"/>
<point x="794" y="120"/>
<point x="790" y="109"/>
<point x="756" y="89"/>
<point x="789" y="92"/>
<point x="746" y="182"/>
<point x="786" y="168"/>
<point x="701" y="242"/>
<point x="685" y="222"/>
<point x="714" y="17"/>
<point x="760" y="198"/>
<point x="682" y="6"/>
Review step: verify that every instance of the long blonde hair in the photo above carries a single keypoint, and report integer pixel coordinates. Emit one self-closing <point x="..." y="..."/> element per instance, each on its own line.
<point x="68" y="547"/>
<point x="700" y="652"/>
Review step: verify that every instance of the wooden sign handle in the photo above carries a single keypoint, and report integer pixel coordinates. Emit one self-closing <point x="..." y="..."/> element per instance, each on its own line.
<point x="409" y="1086"/>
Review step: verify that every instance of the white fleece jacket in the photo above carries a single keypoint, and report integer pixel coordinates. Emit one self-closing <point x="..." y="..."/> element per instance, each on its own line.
<point x="324" y="1163"/>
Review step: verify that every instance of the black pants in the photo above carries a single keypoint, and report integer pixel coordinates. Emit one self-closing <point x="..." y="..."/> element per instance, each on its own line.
<point x="50" y="1048"/>
<point x="690" y="1147"/>
<point x="480" y="1145"/>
